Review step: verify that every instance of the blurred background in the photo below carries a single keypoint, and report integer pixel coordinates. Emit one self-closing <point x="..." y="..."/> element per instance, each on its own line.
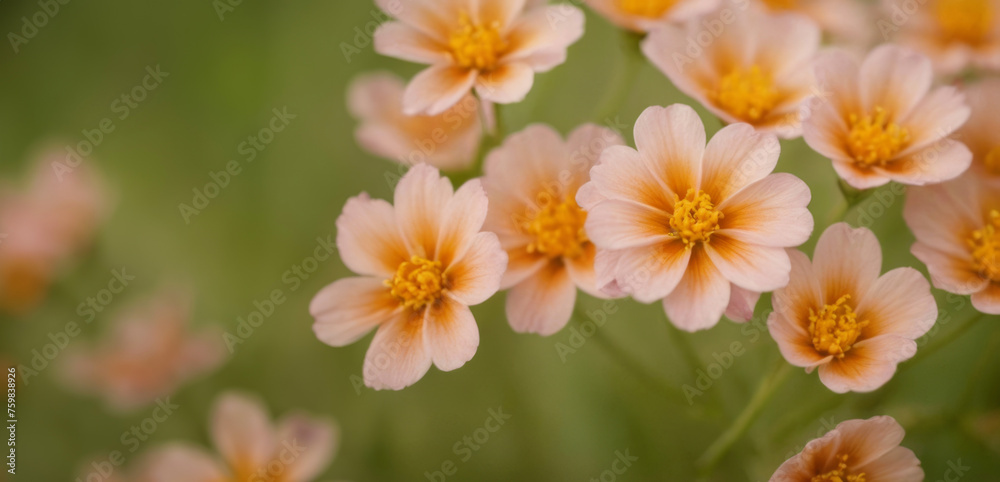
<point x="571" y="412"/>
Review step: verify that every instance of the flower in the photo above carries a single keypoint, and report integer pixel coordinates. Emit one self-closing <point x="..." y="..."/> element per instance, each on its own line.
<point x="296" y="449"/>
<point x="448" y="140"/>
<point x="854" y="451"/>
<point x="532" y="182"/>
<point x="955" y="34"/>
<point x="149" y="354"/>
<point x="422" y="264"/>
<point x="43" y="227"/>
<point x="980" y="133"/>
<point x="880" y="122"/>
<point x="755" y="69"/>
<point x="494" y="46"/>
<point x="846" y="22"/>
<point x="957" y="226"/>
<point x="699" y="227"/>
<point x="647" y="15"/>
<point x="839" y="315"/>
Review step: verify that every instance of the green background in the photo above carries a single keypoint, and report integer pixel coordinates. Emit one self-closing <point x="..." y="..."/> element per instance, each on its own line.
<point x="569" y="417"/>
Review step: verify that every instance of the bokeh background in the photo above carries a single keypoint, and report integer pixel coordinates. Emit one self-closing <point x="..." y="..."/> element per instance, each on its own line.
<point x="569" y="415"/>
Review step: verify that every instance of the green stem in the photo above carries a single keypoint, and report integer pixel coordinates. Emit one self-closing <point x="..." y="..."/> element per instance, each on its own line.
<point x="621" y="87"/>
<point x="768" y="386"/>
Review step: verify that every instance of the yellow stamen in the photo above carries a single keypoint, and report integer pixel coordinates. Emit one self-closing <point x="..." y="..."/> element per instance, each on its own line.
<point x="965" y="21"/>
<point x="418" y="282"/>
<point x="477" y="46"/>
<point x="840" y="473"/>
<point x="835" y="328"/>
<point x="695" y="218"/>
<point x="747" y="95"/>
<point x="647" y="8"/>
<point x="992" y="161"/>
<point x="558" y="230"/>
<point x="274" y="471"/>
<point x="874" y="140"/>
<point x="985" y="245"/>
<point x="782" y="4"/>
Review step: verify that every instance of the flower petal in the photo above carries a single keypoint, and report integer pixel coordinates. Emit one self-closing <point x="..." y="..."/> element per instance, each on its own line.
<point x="672" y="141"/>
<point x="736" y="157"/>
<point x="701" y="297"/>
<point x="452" y="334"/>
<point x="506" y="84"/>
<point x="942" y="161"/>
<point x="937" y="115"/>
<point x="988" y="300"/>
<point x="175" y="462"/>
<point x="771" y="212"/>
<point x="541" y="36"/>
<point x="542" y="303"/>
<point x="401" y="41"/>
<point x="899" y="303"/>
<point x="751" y="266"/>
<point x="349" y="308"/>
<point x="741" y="304"/>
<point x="476" y="276"/>
<point x="868" y="365"/>
<point x="651" y="273"/>
<point x="368" y="237"/>
<point x="847" y="261"/>
<point x="462" y="219"/>
<point x="894" y="78"/>
<point x="317" y="439"/>
<point x="398" y="356"/>
<point x="615" y="224"/>
<point x="624" y="175"/>
<point x="421" y="197"/>
<point x="436" y="89"/>
<point x="242" y="431"/>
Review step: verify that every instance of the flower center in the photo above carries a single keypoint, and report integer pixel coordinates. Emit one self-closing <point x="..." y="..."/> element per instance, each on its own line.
<point x="840" y="473"/>
<point x="874" y="140"/>
<point x="834" y="329"/>
<point x="647" y="8"/>
<point x="985" y="244"/>
<point x="748" y="95"/>
<point x="476" y="46"/>
<point x="695" y="218"/>
<point x="22" y="284"/>
<point x="558" y="230"/>
<point x="966" y="21"/>
<point x="418" y="282"/>
<point x="992" y="161"/>
<point x="781" y="4"/>
<point x="246" y="472"/>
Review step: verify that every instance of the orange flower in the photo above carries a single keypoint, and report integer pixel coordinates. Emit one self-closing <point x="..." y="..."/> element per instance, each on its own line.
<point x="881" y="122"/>
<point x="756" y="69"/>
<point x="704" y="228"/>
<point x="448" y="140"/>
<point x="647" y="15"/>
<point x="955" y="34"/>
<point x="422" y="262"/>
<point x="295" y="449"/>
<point x="957" y="226"/>
<point x="855" y="451"/>
<point x="532" y="182"/>
<point x="839" y="315"/>
<point x="494" y="46"/>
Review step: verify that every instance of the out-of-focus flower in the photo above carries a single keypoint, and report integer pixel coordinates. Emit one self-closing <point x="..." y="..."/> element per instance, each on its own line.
<point x="647" y="15"/>
<point x="532" y="182"/>
<point x="847" y="23"/>
<point x="855" y="451"/>
<point x="757" y="70"/>
<point x="880" y="122"/>
<point x="957" y="226"/>
<point x="149" y="354"/>
<point x="448" y="140"/>
<point x="494" y="46"/>
<point x="295" y="449"/>
<point x="696" y="226"/>
<point x="955" y="34"/>
<point x="838" y="314"/>
<point x="422" y="263"/>
<point x="982" y="131"/>
<point x="43" y="226"/>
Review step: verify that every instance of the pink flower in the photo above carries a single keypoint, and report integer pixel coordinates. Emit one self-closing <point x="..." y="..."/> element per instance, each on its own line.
<point x="699" y="227"/>
<point x="880" y="122"/>
<point x="980" y="133"/>
<point x="839" y="315"/>
<point x="43" y="227"/>
<point x="532" y="182"/>
<point x="296" y="449"/>
<point x="422" y="264"/>
<point x="448" y="140"/>
<point x="755" y="68"/>
<point x="149" y="354"/>
<point x="855" y="451"/>
<point x="955" y="34"/>
<point x="957" y="226"/>
<point x="494" y="46"/>
<point x="647" y="15"/>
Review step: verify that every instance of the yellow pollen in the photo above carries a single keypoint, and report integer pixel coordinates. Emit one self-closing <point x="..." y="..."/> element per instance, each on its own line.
<point x="965" y="21"/>
<point x="558" y="230"/>
<point x="985" y="245"/>
<point x="747" y="95"/>
<point x="477" y="46"/>
<point x="647" y="8"/>
<point x="835" y="328"/>
<point x="874" y="140"/>
<point x="418" y="282"/>
<point x="992" y="161"/>
<point x="695" y="218"/>
<point x="782" y="4"/>
<point x="840" y="473"/>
